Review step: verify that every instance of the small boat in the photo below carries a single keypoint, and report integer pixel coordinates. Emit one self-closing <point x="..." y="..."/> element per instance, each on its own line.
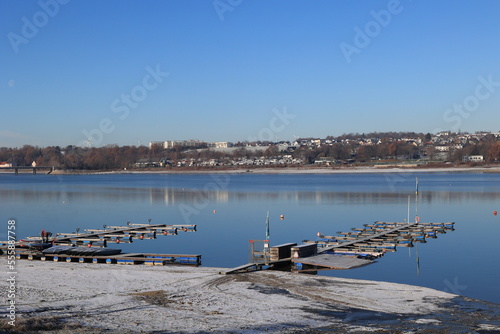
<point x="30" y="244"/>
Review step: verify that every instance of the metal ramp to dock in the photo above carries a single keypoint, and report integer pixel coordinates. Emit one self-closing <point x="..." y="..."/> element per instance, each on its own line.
<point x="255" y="266"/>
<point x="244" y="268"/>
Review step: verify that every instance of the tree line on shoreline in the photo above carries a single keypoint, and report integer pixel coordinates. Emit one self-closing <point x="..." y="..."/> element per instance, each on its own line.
<point x="120" y="157"/>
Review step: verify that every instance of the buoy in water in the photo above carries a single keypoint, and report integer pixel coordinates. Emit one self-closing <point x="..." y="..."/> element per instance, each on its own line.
<point x="215" y="211"/>
<point x="282" y="217"/>
<point x="318" y="234"/>
<point x="495" y="213"/>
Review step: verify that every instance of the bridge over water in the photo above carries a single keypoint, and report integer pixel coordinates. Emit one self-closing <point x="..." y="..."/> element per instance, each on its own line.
<point x="16" y="169"/>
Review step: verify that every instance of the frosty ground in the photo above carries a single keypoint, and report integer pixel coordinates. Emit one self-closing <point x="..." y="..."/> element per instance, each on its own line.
<point x="93" y="298"/>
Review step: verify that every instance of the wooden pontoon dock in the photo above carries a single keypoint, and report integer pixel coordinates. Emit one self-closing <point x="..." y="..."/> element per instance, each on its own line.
<point x="68" y="246"/>
<point x="346" y="250"/>
<point x="125" y="258"/>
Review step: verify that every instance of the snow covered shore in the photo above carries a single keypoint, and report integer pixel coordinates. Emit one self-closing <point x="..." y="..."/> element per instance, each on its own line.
<point x="93" y="298"/>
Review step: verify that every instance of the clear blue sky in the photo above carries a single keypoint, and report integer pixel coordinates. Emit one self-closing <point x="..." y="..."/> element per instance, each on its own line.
<point x="231" y="69"/>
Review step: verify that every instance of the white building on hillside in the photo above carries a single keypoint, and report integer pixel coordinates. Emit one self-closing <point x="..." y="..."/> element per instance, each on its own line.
<point x="220" y="144"/>
<point x="473" y="158"/>
<point x="182" y="143"/>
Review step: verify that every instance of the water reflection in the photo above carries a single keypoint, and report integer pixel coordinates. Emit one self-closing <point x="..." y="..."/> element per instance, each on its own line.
<point x="311" y="204"/>
<point x="172" y="196"/>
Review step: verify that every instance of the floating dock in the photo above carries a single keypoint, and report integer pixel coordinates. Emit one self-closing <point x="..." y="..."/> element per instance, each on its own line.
<point x="108" y="234"/>
<point x="120" y="234"/>
<point x="88" y="247"/>
<point x="380" y="237"/>
<point x="330" y="261"/>
<point x="346" y="250"/>
<point x="125" y="258"/>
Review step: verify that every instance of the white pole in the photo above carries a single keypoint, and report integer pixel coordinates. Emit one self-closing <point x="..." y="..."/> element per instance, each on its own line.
<point x="416" y="199"/>
<point x="266" y="242"/>
<point x="408" y="221"/>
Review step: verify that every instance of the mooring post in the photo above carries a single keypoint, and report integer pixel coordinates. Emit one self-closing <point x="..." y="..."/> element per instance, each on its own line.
<point x="16" y="171"/>
<point x="34" y="170"/>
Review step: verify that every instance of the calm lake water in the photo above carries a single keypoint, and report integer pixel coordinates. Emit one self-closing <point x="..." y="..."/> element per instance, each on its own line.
<point x="465" y="261"/>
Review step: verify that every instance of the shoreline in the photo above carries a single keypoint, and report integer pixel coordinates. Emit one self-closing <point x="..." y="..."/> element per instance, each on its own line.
<point x="296" y="170"/>
<point x="91" y="298"/>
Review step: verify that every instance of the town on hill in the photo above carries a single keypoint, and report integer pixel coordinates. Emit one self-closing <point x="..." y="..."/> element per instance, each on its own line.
<point x="372" y="149"/>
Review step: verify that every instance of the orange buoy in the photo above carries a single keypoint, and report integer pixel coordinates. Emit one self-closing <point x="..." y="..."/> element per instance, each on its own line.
<point x="141" y="236"/>
<point x="495" y="213"/>
<point x="165" y="232"/>
<point x="417" y="219"/>
<point x="282" y="217"/>
<point x="215" y="211"/>
<point x="89" y="245"/>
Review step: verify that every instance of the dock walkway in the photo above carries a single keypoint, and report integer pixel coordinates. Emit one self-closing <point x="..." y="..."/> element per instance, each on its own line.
<point x="346" y="250"/>
<point x="368" y="238"/>
<point x="125" y="258"/>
